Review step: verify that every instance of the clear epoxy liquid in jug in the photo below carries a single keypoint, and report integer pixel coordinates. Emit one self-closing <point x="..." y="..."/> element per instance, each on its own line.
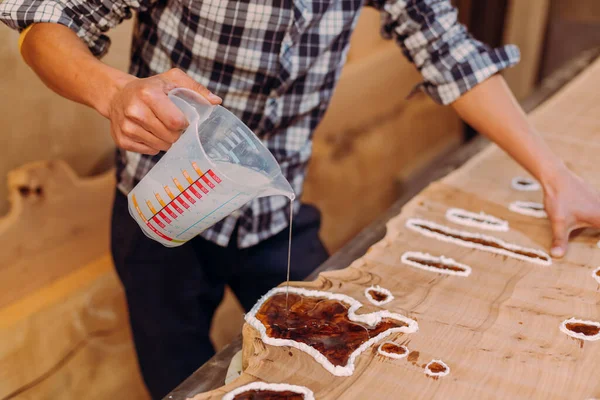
<point x="213" y="169"/>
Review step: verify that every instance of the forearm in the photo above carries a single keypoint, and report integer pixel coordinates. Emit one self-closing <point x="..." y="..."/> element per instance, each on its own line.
<point x="66" y="65"/>
<point x="493" y="111"/>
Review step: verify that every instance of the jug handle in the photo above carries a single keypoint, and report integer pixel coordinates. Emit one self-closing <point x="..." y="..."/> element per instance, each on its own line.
<point x="193" y="105"/>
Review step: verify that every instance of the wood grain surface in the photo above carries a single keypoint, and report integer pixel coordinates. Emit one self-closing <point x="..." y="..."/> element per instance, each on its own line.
<point x="64" y="331"/>
<point x="498" y="329"/>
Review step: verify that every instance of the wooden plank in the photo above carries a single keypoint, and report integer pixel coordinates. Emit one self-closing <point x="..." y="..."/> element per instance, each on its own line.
<point x="211" y="375"/>
<point x="64" y="330"/>
<point x="57" y="222"/>
<point x="498" y="329"/>
<point x="526" y="25"/>
<point x="70" y="340"/>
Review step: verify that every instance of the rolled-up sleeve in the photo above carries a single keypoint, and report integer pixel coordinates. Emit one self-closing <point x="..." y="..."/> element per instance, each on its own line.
<point x="450" y="60"/>
<point x="90" y="20"/>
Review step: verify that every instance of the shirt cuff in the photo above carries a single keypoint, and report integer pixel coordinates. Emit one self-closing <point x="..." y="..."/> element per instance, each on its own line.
<point x="24" y="33"/>
<point x="474" y="70"/>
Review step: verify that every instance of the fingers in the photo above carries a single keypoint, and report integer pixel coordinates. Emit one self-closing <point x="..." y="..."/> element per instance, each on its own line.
<point x="138" y="134"/>
<point x="144" y="119"/>
<point x="168" y="115"/>
<point x="560" y="238"/>
<point x="181" y="79"/>
<point x="125" y="140"/>
<point x="167" y="125"/>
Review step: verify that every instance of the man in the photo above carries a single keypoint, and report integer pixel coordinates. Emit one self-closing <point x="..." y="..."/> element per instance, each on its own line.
<point x="275" y="63"/>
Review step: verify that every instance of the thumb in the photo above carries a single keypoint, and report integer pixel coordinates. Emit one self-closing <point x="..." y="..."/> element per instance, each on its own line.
<point x="560" y="239"/>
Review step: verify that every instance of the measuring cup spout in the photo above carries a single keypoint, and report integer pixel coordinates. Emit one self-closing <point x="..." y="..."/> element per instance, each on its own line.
<point x="279" y="186"/>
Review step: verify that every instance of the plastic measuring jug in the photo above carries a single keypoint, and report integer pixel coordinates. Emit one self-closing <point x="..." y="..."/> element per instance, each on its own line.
<point x="215" y="167"/>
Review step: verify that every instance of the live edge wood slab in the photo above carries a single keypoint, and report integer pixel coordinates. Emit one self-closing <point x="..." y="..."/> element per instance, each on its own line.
<point x="498" y="328"/>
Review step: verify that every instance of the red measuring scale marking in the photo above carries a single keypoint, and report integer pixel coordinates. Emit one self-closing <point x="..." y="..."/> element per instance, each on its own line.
<point x="179" y="199"/>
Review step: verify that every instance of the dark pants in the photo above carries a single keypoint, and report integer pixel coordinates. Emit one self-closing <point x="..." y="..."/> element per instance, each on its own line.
<point x="172" y="293"/>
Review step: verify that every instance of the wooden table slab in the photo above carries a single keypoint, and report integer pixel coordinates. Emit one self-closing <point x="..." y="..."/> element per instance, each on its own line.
<point x="498" y="329"/>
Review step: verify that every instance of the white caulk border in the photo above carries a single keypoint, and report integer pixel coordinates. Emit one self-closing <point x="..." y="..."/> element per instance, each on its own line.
<point x="595" y="275"/>
<point x="378" y="288"/>
<point x="370" y="319"/>
<point x="276" y="387"/>
<point x="437" y="374"/>
<point x="492" y="223"/>
<point x="441" y="259"/>
<point x="563" y="328"/>
<point x="392" y="355"/>
<point x="412" y="222"/>
<point x="522" y="207"/>
<point x="531" y="186"/>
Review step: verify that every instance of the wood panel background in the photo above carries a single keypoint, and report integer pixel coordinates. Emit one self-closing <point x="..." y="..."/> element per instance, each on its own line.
<point x="498" y="329"/>
<point x="64" y="330"/>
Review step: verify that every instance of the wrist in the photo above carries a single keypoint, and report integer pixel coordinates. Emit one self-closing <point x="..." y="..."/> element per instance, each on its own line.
<point x="552" y="177"/>
<point x="111" y="83"/>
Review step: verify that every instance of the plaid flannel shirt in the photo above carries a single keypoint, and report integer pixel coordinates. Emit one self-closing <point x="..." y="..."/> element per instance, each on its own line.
<point x="275" y="63"/>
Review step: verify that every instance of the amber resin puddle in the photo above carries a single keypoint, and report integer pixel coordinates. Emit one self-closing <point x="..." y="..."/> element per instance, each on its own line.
<point x="580" y="329"/>
<point x="440" y="265"/>
<point x="270" y="391"/>
<point x="596" y="275"/>
<point x="436" y="368"/>
<point x="378" y="295"/>
<point x="525" y="184"/>
<point x="478" y="241"/>
<point x="324" y="325"/>
<point x="528" y="208"/>
<point x="392" y="350"/>
<point x="477" y="220"/>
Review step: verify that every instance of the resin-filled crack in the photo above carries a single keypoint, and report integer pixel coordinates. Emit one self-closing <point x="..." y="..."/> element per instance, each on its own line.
<point x="378" y="295"/>
<point x="324" y="325"/>
<point x="477" y="241"/>
<point x="581" y="329"/>
<point x="270" y="391"/>
<point x="440" y="265"/>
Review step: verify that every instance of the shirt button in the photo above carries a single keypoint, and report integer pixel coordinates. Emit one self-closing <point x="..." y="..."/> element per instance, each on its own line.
<point x="236" y="214"/>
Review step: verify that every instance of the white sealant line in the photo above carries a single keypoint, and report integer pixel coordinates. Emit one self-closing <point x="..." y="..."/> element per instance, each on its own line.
<point x="529" y="185"/>
<point x="576" y="335"/>
<point x="368" y="295"/>
<point x="528" y="208"/>
<point x="476" y="220"/>
<point x="276" y="387"/>
<point x="508" y="249"/>
<point x="436" y="374"/>
<point x="408" y="259"/>
<point x="395" y="356"/>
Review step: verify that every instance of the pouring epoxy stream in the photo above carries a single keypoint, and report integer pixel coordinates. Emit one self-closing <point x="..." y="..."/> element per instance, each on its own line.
<point x="275" y="65"/>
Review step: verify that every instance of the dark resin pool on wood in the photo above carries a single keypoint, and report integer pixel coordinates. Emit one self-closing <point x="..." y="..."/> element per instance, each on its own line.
<point x="492" y="243"/>
<point x="393" y="348"/>
<point x="584" y="329"/>
<point x="435" y="264"/>
<point x="269" y="395"/>
<point x="320" y="323"/>
<point x="378" y="295"/>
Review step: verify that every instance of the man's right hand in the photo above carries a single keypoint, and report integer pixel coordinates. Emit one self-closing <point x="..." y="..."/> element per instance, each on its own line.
<point x="142" y="118"/>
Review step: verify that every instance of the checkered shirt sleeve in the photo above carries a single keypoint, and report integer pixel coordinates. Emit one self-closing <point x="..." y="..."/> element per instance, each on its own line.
<point x="450" y="60"/>
<point x="89" y="19"/>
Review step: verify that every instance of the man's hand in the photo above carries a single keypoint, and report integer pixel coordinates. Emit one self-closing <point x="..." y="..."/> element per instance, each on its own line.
<point x="142" y="118"/>
<point x="570" y="204"/>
